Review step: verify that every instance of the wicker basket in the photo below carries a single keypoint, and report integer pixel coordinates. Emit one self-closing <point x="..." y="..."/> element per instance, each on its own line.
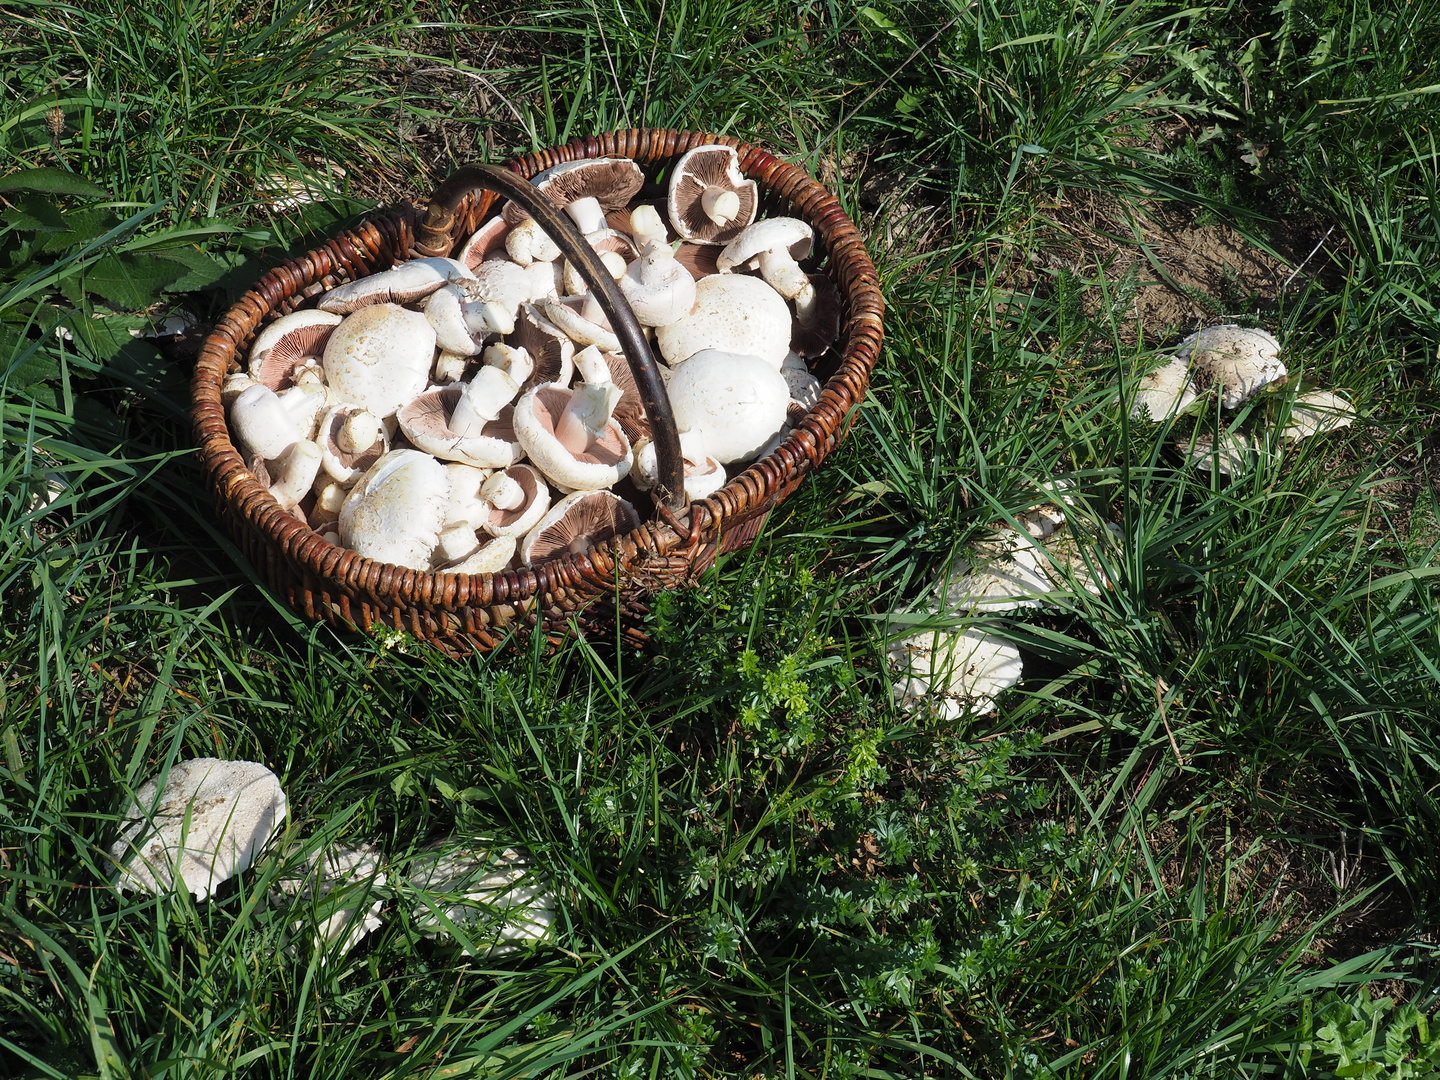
<point x="463" y="612"/>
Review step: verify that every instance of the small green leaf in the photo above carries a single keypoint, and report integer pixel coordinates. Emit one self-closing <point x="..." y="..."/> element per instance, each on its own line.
<point x="52" y="182"/>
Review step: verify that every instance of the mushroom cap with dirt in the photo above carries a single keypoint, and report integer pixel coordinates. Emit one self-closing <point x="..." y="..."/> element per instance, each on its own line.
<point x="1164" y="392"/>
<point x="226" y="812"/>
<point x="1241" y="360"/>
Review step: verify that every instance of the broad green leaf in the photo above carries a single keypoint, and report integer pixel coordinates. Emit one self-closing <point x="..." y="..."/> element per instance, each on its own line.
<point x="201" y="270"/>
<point x="52" y="182"/>
<point x="81" y="227"/>
<point x="24" y="360"/>
<point x="100" y="339"/>
<point x="34" y="214"/>
<point x="125" y="281"/>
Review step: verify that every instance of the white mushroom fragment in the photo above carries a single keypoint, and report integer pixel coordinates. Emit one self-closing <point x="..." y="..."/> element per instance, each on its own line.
<point x="1164" y="392"/>
<point x="338" y="884"/>
<point x="207" y="825"/>
<point x="953" y="671"/>
<point x="496" y="900"/>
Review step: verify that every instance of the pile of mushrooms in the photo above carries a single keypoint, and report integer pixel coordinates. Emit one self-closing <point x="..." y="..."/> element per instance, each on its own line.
<point x="476" y="414"/>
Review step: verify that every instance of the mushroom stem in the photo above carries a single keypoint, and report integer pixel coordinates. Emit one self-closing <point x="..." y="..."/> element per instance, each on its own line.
<point x="512" y="360"/>
<point x="359" y="432"/>
<point x="591" y="365"/>
<point x="589" y="410"/>
<point x="481" y="401"/>
<point x="647" y="227"/>
<point x="720" y="205"/>
<point x="502" y="492"/>
<point x="297" y="473"/>
<point x="783" y="274"/>
<point x="587" y="213"/>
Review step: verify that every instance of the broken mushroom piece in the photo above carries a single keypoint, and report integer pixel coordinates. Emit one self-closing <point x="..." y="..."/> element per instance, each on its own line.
<point x="1240" y="360"/>
<point x="379" y="358"/>
<point x="518" y="498"/>
<point x="205" y="826"/>
<point x="489" y="558"/>
<point x="735" y="403"/>
<point x="576" y="524"/>
<point x="582" y="320"/>
<point x="804" y="387"/>
<point x="395" y="512"/>
<point x="571" y="435"/>
<point x="955" y="672"/>
<point x="338" y="884"/>
<point x="704" y="475"/>
<point x="296" y="473"/>
<point x="734" y="314"/>
<point x="1318" y="412"/>
<point x="710" y="199"/>
<point x="287" y="343"/>
<point x="404" y="284"/>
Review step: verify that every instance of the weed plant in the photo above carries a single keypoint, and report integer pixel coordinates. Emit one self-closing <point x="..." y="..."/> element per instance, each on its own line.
<point x="1194" y="841"/>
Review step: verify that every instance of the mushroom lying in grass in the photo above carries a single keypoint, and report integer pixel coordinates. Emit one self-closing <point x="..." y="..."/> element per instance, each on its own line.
<point x="1318" y="412"/>
<point x="492" y="902"/>
<point x="205" y="826"/>
<point x="339" y="883"/>
<point x="956" y="671"/>
<point x="1240" y="360"/>
<point x="1164" y="392"/>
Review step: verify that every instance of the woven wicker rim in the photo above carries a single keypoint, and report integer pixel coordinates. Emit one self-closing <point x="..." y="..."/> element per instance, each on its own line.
<point x="357" y="590"/>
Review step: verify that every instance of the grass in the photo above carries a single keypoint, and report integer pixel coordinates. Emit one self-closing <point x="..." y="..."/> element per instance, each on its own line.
<point x="1194" y="841"/>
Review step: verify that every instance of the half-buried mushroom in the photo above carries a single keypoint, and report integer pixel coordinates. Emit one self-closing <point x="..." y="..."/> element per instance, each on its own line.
<point x="578" y="523"/>
<point x="953" y="671"/>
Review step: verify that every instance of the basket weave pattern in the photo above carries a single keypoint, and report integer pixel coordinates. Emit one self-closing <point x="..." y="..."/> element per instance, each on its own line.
<point x="461" y="612"/>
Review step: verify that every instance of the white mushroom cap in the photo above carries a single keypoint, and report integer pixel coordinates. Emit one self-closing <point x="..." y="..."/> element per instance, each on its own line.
<point x="790" y="236"/>
<point x="734" y="314"/>
<point x="287" y="342"/>
<point x="395" y="512"/>
<point x="1164" y="392"/>
<point x="539" y="415"/>
<point x="735" y="403"/>
<point x="1318" y="412"/>
<point x="338" y="878"/>
<point x="1240" y="360"/>
<point x="379" y="358"/>
<point x="404" y="284"/>
<point x="704" y="475"/>
<point x="262" y="424"/>
<point x="954" y="670"/>
<point x="490" y="558"/>
<point x="496" y="900"/>
<point x="444" y="313"/>
<point x="226" y="810"/>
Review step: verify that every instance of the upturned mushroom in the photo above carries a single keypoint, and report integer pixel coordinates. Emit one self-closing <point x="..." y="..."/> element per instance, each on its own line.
<point x="404" y="284"/>
<point x="471" y="423"/>
<point x="395" y="512"/>
<point x="379" y="358"/>
<point x="1240" y="360"/>
<point x="352" y="440"/>
<point x="550" y="349"/>
<point x="735" y="403"/>
<point x="576" y="524"/>
<point x="733" y="314"/>
<point x="518" y="498"/>
<point x="710" y="199"/>
<point x="205" y="826"/>
<point x="570" y="434"/>
<point x="287" y="343"/>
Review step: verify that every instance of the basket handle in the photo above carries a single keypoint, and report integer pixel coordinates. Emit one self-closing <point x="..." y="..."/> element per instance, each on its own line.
<point x="434" y="233"/>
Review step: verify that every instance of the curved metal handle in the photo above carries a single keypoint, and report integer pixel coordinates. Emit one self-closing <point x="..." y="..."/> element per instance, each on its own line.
<point x="433" y="234"/>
